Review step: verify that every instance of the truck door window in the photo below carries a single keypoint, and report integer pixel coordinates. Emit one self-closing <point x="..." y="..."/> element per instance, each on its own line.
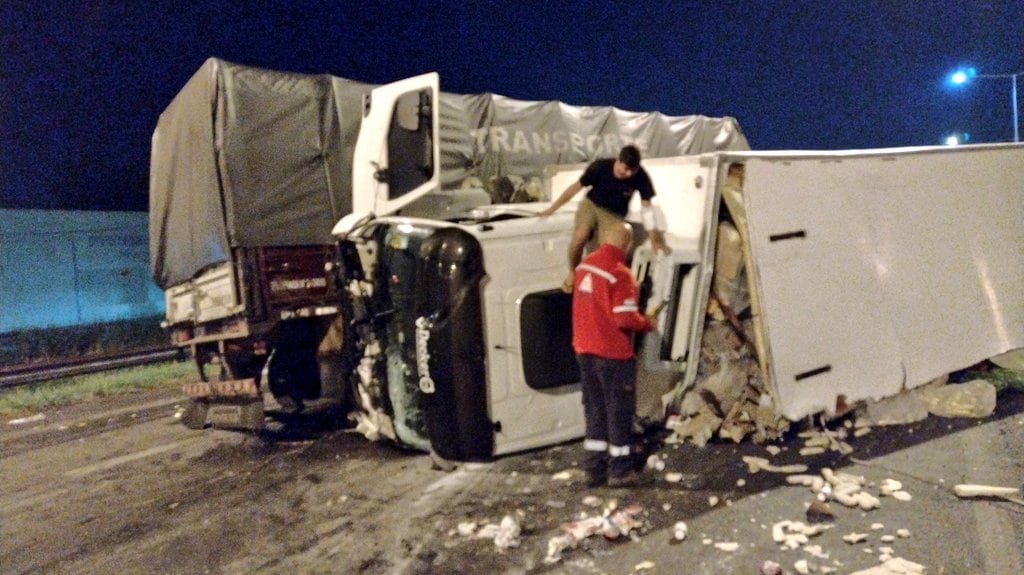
<point x="410" y="152"/>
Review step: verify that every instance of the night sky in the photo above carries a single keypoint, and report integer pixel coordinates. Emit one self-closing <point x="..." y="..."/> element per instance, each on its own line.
<point x="83" y="83"/>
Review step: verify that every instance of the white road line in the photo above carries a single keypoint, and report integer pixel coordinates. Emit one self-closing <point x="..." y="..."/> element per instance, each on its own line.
<point x="122" y="459"/>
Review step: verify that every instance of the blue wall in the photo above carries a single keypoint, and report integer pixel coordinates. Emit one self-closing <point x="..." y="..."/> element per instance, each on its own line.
<point x="60" y="268"/>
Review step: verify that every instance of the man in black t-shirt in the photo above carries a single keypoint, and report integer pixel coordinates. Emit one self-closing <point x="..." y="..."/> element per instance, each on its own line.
<point x="612" y="183"/>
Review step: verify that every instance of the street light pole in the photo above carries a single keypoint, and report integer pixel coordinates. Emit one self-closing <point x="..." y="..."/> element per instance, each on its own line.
<point x="1013" y="97"/>
<point x="962" y="76"/>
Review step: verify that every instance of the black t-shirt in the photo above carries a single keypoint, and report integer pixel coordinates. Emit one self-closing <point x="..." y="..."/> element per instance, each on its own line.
<point x="611" y="193"/>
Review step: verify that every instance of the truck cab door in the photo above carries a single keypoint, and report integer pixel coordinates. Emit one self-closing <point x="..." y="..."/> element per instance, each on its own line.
<point x="397" y="156"/>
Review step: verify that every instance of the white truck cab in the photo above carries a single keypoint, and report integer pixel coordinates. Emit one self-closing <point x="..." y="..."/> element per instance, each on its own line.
<point x="464" y="333"/>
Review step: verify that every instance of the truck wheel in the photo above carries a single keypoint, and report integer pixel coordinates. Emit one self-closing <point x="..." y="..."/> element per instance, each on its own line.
<point x="194" y="416"/>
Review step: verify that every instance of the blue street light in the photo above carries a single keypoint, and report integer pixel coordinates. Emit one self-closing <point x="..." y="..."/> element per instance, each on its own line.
<point x="964" y="75"/>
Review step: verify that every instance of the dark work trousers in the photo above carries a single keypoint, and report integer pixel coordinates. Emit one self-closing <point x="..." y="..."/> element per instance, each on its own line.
<point x="609" y="402"/>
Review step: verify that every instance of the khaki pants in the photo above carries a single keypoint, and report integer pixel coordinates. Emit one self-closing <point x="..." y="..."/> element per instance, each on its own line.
<point x="596" y="218"/>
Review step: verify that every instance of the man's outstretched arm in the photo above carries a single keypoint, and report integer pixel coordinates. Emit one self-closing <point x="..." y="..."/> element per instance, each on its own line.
<point x="562" y="199"/>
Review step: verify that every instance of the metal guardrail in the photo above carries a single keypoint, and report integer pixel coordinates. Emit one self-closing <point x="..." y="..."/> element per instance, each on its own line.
<point x="26" y="375"/>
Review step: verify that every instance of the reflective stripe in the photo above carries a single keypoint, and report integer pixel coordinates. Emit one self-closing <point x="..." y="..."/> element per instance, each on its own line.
<point x="598" y="271"/>
<point x="595" y="445"/>
<point x="623" y="308"/>
<point x="618" y="450"/>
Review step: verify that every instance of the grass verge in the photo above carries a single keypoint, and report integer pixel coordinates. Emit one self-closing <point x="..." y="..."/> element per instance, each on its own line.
<point x="81" y="387"/>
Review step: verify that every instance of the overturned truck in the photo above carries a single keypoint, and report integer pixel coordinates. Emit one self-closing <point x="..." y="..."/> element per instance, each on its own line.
<point x="251" y="169"/>
<point x="839" y="278"/>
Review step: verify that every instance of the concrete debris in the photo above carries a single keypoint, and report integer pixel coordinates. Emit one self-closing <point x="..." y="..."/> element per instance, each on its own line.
<point x="894" y="566"/>
<point x="466" y="528"/>
<point x="975" y="398"/>
<point x="755" y="464"/>
<point x="771" y="568"/>
<point x="727" y="546"/>
<point x="802" y="567"/>
<point x="611" y="525"/>
<point x="903" y="533"/>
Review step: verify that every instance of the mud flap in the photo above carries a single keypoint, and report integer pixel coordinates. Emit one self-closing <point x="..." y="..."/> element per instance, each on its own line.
<point x="236" y="413"/>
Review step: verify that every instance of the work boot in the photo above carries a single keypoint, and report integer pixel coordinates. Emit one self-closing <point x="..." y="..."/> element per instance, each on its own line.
<point x="630" y="479"/>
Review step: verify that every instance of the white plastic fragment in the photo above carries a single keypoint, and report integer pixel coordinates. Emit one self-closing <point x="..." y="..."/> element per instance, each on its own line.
<point x="773" y="449"/>
<point x="888" y="538"/>
<point x="901" y="495"/>
<point x="889" y="486"/>
<point x="894" y="566"/>
<point x="655" y="462"/>
<point x="903" y="533"/>
<point x="29" y="419"/>
<point x="712" y="500"/>
<point x="971" y="490"/>
<point x="727" y="546"/>
<point x="802" y="567"/>
<point x="853" y="538"/>
<point x="679" y="530"/>
<point x="592" y="501"/>
<point x="467" y="528"/>
<point x="673" y="477"/>
<point x="508" y="533"/>
<point x="877" y="526"/>
<point x="612" y="524"/>
<point x="562" y="475"/>
<point x="816" y="551"/>
<point x="644" y="566"/>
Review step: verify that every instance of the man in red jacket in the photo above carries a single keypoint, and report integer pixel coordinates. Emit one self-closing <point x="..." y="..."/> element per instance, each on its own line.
<point x="605" y="315"/>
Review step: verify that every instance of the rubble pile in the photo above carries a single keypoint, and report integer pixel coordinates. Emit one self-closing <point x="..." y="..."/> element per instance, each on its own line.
<point x="729" y="399"/>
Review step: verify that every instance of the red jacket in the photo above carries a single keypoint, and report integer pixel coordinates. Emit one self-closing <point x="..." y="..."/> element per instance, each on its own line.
<point x="604" y="305"/>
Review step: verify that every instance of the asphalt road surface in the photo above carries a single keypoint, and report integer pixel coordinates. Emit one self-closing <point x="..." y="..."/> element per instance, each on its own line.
<point x="119" y="485"/>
